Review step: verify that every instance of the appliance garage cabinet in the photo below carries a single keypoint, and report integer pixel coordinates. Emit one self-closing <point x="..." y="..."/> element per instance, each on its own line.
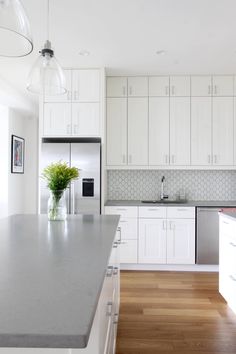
<point x="78" y="112"/>
<point x="171" y="122"/>
<point x="156" y="235"/>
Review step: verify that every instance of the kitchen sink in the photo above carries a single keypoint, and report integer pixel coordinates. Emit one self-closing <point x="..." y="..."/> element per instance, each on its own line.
<point x="164" y="201"/>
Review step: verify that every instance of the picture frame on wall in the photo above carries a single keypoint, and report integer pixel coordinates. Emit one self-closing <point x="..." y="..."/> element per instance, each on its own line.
<point x="17" y="154"/>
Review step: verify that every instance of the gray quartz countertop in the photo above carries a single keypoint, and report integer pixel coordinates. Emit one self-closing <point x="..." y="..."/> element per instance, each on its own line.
<point x="51" y="275"/>
<point x="197" y="203"/>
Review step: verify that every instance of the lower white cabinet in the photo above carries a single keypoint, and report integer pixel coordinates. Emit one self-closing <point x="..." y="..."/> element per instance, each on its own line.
<point x="129" y="232"/>
<point x="180" y="241"/>
<point x="227" y="260"/>
<point x="152" y="241"/>
<point x="156" y="235"/>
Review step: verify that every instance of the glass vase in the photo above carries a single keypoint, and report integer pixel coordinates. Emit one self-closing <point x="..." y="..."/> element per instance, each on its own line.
<point x="57" y="206"/>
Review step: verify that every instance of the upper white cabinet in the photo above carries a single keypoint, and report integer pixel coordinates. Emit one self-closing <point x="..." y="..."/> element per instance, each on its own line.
<point x="180" y="131"/>
<point x="159" y="86"/>
<point x="137" y="86"/>
<point x="222" y="85"/>
<point x="180" y="86"/>
<point x="86" y="85"/>
<point x="223" y="130"/>
<point x="116" y="131"/>
<point x="159" y="131"/>
<point x="201" y="86"/>
<point x="81" y="104"/>
<point x="138" y="131"/>
<point x="57" y="119"/>
<point x="201" y="131"/>
<point x="117" y="86"/>
<point x="68" y="95"/>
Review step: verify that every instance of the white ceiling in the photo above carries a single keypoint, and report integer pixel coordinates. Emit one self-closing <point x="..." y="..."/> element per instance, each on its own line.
<point x="199" y="36"/>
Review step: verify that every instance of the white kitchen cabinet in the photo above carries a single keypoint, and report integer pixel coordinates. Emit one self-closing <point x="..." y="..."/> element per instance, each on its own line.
<point x="159" y="86"/>
<point x="117" y="86"/>
<point x="180" y="86"/>
<point x="116" y="131"/>
<point x="201" y="131"/>
<point x="159" y="126"/>
<point x="152" y="241"/>
<point x="223" y="125"/>
<point x="201" y="86"/>
<point x="180" y="241"/>
<point x="180" y="131"/>
<point x="138" y="131"/>
<point x="67" y="96"/>
<point x="85" y="119"/>
<point x="138" y="86"/>
<point x="234" y="131"/>
<point x="222" y="85"/>
<point x="86" y="85"/>
<point x="57" y="119"/>
<point x="227" y="260"/>
<point x="129" y="232"/>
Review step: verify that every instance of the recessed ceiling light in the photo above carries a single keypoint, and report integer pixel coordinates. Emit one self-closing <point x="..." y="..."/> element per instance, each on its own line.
<point x="84" y="53"/>
<point x="160" y="52"/>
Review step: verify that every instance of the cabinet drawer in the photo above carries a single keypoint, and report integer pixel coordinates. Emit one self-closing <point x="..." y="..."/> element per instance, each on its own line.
<point x="181" y="212"/>
<point x="123" y="211"/>
<point x="129" y="228"/>
<point x="152" y="212"/>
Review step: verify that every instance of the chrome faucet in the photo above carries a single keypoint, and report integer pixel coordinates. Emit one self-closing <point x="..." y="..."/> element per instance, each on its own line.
<point x="163" y="195"/>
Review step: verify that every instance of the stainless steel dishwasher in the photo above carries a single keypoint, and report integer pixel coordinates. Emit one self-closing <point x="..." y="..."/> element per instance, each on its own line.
<point x="207" y="236"/>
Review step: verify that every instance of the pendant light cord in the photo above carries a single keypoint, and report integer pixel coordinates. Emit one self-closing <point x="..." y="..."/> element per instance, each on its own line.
<point x="48" y="19"/>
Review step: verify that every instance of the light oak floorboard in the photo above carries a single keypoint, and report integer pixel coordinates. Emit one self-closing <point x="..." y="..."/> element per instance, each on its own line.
<point x="174" y="313"/>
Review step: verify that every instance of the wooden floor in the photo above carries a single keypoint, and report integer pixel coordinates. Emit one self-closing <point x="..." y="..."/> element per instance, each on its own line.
<point x="175" y="313"/>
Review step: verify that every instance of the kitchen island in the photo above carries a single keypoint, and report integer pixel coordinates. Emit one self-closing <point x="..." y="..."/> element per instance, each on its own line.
<point x="56" y="280"/>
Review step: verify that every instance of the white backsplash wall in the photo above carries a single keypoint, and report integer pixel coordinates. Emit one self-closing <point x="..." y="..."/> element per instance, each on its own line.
<point x="146" y="184"/>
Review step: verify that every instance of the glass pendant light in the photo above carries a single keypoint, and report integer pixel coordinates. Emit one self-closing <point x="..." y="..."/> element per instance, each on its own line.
<point x="15" y="34"/>
<point x="46" y="76"/>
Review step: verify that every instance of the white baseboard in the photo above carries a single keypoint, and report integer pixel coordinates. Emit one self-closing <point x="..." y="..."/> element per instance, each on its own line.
<point x="172" y="267"/>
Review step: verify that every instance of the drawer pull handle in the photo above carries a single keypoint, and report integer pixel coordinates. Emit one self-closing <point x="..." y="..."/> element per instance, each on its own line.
<point x="121" y="209"/>
<point x="153" y="209"/>
<point x="116" y="317"/>
<point x="224" y="222"/>
<point x="109" y="271"/>
<point x="109" y="308"/>
<point x="182" y="209"/>
<point x="232" y="278"/>
<point x="115" y="270"/>
<point x="232" y="244"/>
<point x="123" y="221"/>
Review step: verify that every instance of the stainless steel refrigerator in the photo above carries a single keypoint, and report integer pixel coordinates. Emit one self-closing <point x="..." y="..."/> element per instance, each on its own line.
<point x="83" y="195"/>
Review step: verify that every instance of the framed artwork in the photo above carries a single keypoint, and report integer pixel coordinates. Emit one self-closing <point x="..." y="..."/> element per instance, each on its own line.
<point x="17" y="154"/>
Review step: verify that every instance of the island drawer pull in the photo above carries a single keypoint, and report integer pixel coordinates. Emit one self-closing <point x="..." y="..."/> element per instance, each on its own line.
<point x="115" y="270"/>
<point x="116" y="317"/>
<point x="109" y="271"/>
<point x="232" y="244"/>
<point x="232" y="278"/>
<point x="109" y="308"/>
<point x="115" y="244"/>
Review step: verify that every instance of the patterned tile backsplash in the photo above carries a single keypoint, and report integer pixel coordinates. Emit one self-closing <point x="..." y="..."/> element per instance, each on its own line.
<point x="146" y="184"/>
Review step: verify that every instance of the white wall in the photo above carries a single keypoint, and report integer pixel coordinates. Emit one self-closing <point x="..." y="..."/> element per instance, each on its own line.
<point x="4" y="161"/>
<point x="22" y="188"/>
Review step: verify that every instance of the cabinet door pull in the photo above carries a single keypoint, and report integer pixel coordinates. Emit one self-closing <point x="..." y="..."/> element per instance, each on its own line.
<point x="116" y="317"/>
<point x="115" y="271"/>
<point x="109" y="271"/>
<point x="232" y="244"/>
<point x="119" y="230"/>
<point x="153" y="209"/>
<point x="68" y="95"/>
<point x="167" y="90"/>
<point x="225" y="222"/>
<point x="121" y="209"/>
<point x="182" y="209"/>
<point x="173" y="90"/>
<point x="109" y="308"/>
<point x="209" y="89"/>
<point x="130" y="91"/>
<point x="124" y="90"/>
<point x="215" y="90"/>
<point x="123" y="221"/>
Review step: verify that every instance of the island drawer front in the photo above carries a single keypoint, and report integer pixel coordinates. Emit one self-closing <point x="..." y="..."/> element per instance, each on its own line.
<point x="123" y="211"/>
<point x="181" y="212"/>
<point x="152" y="212"/>
<point x="129" y="228"/>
